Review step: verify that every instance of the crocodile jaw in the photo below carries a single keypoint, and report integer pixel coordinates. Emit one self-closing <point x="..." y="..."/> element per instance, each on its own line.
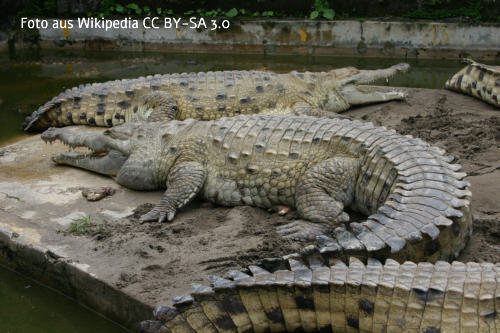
<point x="106" y="162"/>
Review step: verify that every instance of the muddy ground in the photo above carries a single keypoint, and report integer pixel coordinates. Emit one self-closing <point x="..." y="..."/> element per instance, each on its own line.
<point x="153" y="262"/>
<point x="466" y="128"/>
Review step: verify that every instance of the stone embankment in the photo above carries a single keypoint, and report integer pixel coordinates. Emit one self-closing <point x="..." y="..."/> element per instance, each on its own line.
<point x="412" y="39"/>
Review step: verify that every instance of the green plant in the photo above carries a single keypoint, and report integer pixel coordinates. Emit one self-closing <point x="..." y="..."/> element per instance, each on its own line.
<point x="322" y="7"/>
<point x="268" y="13"/>
<point x="134" y="8"/>
<point x="119" y="9"/>
<point x="233" y="12"/>
<point x="80" y="226"/>
<point x="211" y="13"/>
<point x="84" y="225"/>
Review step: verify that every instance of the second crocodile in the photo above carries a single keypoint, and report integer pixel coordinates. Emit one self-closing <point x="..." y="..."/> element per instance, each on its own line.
<point x="212" y="95"/>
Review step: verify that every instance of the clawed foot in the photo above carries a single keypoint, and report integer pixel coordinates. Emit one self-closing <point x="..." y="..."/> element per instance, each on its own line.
<point x="301" y="230"/>
<point x="157" y="214"/>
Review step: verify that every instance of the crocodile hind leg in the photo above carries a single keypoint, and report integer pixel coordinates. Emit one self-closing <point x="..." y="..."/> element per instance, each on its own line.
<point x="321" y="195"/>
<point x="301" y="230"/>
<point x="157" y="106"/>
<point x="184" y="182"/>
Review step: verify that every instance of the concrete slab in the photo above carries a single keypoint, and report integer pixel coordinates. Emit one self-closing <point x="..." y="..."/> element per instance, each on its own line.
<point x="118" y="267"/>
<point x="37" y="203"/>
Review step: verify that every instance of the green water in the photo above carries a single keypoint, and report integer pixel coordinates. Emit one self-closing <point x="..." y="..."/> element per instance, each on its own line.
<point x="27" y="307"/>
<point x="28" y="80"/>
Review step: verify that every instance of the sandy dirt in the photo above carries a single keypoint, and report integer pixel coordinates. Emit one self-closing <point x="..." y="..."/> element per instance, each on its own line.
<point x="202" y="240"/>
<point x="153" y="262"/>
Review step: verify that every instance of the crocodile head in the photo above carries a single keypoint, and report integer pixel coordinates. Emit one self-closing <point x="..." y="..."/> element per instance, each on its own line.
<point x="339" y="89"/>
<point x="120" y="152"/>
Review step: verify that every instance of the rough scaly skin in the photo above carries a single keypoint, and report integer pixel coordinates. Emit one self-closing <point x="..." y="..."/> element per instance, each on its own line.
<point x="311" y="295"/>
<point x="477" y="80"/>
<point x="417" y="203"/>
<point x="211" y="95"/>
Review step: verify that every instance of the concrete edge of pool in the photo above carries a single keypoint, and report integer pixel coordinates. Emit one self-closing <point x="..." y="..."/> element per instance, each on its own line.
<point x="36" y="210"/>
<point x="71" y="279"/>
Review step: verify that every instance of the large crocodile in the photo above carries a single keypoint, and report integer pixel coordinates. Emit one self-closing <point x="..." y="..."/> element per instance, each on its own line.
<point x="416" y="200"/>
<point x="212" y="95"/>
<point x="477" y="80"/>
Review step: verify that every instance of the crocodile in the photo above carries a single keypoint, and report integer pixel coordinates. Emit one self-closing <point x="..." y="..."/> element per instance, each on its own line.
<point x="314" y="294"/>
<point x="415" y="198"/>
<point x="477" y="80"/>
<point x="212" y="95"/>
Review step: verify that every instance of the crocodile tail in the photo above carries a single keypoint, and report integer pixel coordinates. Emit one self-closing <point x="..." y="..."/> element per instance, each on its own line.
<point x="306" y="294"/>
<point x="477" y="80"/>
<point x="77" y="106"/>
<point x="415" y="199"/>
<point x="97" y="104"/>
<point x="43" y="118"/>
<point x="63" y="111"/>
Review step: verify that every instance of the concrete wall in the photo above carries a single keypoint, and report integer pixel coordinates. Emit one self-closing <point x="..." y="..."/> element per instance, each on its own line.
<point x="370" y="38"/>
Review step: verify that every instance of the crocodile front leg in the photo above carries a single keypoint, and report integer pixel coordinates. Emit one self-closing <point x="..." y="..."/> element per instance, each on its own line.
<point x="157" y="106"/>
<point x="184" y="182"/>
